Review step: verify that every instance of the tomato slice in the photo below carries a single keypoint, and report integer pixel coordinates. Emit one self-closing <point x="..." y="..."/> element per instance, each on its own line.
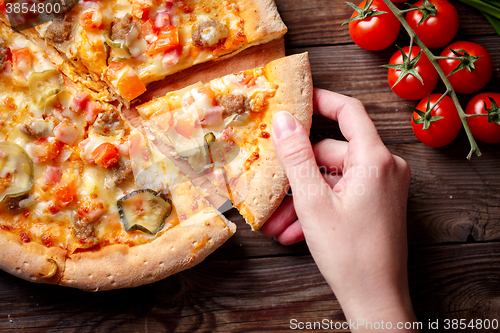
<point x="130" y="85"/>
<point x="141" y="10"/>
<point x="91" y="19"/>
<point x="21" y="59"/>
<point x="167" y="40"/>
<point x="185" y="126"/>
<point x="106" y="155"/>
<point x="65" y="190"/>
<point x="45" y="150"/>
<point x="147" y="28"/>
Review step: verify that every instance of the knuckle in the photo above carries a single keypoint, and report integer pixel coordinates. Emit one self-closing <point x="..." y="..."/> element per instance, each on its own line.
<point x="296" y="152"/>
<point x="386" y="159"/>
<point x="404" y="168"/>
<point x="355" y="103"/>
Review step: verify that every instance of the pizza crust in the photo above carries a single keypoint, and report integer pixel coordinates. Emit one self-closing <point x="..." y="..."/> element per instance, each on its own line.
<point x="121" y="266"/>
<point x="262" y="21"/>
<point x="29" y="260"/>
<point x="295" y="95"/>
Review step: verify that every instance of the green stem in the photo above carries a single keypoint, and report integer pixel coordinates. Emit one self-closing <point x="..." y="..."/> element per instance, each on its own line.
<point x="439" y="100"/>
<point x="433" y="60"/>
<point x="451" y="58"/>
<point x="476" y="115"/>
<point x="409" y="10"/>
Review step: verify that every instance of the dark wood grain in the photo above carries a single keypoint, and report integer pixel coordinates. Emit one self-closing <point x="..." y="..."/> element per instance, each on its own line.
<point x="456" y="282"/>
<point x="253" y="295"/>
<point x="254" y="284"/>
<point x="319" y="22"/>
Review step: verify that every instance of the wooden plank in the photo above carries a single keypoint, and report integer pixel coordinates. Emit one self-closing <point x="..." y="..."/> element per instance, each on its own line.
<point x="350" y="70"/>
<point x="456" y="282"/>
<point x="222" y="296"/>
<point x="318" y="23"/>
<point x="447" y="282"/>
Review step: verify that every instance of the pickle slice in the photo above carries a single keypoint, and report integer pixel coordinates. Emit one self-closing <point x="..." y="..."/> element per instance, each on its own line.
<point x="17" y="171"/>
<point x="144" y="210"/>
<point x="44" y="86"/>
<point x="121" y="51"/>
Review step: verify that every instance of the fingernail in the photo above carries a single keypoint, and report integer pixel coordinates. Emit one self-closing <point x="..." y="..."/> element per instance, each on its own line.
<point x="283" y="124"/>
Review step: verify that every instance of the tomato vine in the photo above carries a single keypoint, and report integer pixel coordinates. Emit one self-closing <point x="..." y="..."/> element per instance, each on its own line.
<point x="434" y="60"/>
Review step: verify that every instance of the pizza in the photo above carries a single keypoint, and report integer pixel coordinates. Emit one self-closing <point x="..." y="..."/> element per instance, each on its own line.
<point x="87" y="197"/>
<point x="223" y="129"/>
<point x="131" y="43"/>
<point x="87" y="200"/>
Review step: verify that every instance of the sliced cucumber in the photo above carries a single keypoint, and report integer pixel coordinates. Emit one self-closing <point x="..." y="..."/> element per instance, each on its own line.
<point x="44" y="86"/>
<point x="200" y="160"/>
<point x="121" y="51"/>
<point x="17" y="171"/>
<point x="144" y="210"/>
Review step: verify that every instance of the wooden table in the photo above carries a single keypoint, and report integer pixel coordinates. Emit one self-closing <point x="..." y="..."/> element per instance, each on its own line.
<point x="254" y="284"/>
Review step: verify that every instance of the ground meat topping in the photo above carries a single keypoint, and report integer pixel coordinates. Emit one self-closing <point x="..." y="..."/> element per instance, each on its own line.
<point x="36" y="129"/>
<point x="209" y="33"/>
<point x="59" y="30"/>
<point x="83" y="230"/>
<point x="233" y="104"/>
<point x="120" y="30"/>
<point x="4" y="51"/>
<point x="108" y="122"/>
<point x="119" y="173"/>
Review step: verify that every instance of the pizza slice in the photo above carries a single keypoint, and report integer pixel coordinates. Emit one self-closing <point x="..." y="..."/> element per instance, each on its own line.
<point x="86" y="200"/>
<point x="223" y="129"/>
<point x="131" y="43"/>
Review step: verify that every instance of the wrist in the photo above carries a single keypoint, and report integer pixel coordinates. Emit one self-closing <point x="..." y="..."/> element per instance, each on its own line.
<point x="381" y="312"/>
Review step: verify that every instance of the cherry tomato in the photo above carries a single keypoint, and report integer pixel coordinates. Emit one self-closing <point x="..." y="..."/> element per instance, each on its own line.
<point x="467" y="81"/>
<point x="410" y="87"/>
<point x="399" y="1"/>
<point x="480" y="127"/>
<point x="437" y="30"/>
<point x="377" y="32"/>
<point x="440" y="132"/>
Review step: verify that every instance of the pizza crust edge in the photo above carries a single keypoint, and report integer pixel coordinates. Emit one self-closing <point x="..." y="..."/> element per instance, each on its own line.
<point x="295" y="94"/>
<point x="120" y="266"/>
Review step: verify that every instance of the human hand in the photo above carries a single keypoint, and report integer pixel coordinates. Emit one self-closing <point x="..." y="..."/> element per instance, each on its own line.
<point x="353" y="217"/>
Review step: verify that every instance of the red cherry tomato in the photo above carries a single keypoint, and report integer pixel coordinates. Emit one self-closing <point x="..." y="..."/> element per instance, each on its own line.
<point x="410" y="87"/>
<point x="466" y="81"/>
<point x="440" y="132"/>
<point x="377" y="32"/>
<point x="437" y="30"/>
<point x="399" y="1"/>
<point x="480" y="127"/>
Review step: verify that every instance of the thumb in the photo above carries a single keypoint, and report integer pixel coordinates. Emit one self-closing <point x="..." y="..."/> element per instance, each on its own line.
<point x="296" y="155"/>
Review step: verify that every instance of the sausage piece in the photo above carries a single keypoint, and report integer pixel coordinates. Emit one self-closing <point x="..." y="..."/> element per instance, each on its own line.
<point x="59" y="30"/>
<point x="232" y="104"/>
<point x="120" y="30"/>
<point x="209" y="33"/>
<point x="36" y="129"/>
<point x="120" y="172"/>
<point x="4" y="51"/>
<point x="108" y="122"/>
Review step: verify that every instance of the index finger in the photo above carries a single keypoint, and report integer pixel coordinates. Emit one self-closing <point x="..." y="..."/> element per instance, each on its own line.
<point x="354" y="122"/>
